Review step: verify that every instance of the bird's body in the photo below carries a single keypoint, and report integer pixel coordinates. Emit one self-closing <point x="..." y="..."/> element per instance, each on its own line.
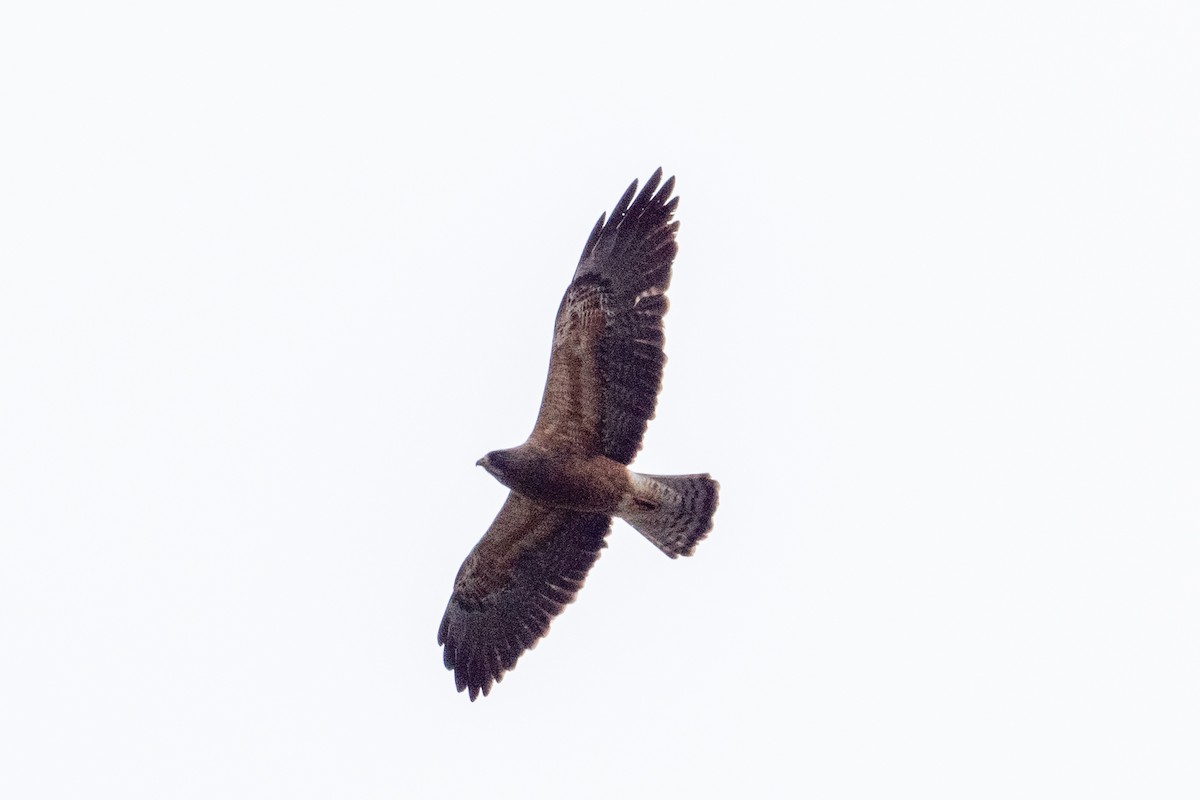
<point x="561" y="479"/>
<point x="570" y="477"/>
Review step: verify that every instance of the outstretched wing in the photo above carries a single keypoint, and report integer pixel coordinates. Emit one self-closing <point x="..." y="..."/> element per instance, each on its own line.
<point x="607" y="362"/>
<point x="525" y="569"/>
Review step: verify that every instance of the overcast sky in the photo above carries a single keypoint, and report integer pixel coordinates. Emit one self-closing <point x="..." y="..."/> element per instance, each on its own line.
<point x="274" y="276"/>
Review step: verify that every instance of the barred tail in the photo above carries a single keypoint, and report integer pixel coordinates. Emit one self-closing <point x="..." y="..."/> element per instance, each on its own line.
<point x="673" y="511"/>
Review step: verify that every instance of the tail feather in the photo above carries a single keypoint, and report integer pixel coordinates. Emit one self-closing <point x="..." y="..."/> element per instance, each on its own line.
<point x="673" y="511"/>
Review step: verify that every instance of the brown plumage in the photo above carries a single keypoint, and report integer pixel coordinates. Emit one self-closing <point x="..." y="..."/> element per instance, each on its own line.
<point x="569" y="478"/>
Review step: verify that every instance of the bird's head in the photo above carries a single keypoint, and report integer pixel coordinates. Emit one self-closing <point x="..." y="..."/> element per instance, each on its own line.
<point x="496" y="463"/>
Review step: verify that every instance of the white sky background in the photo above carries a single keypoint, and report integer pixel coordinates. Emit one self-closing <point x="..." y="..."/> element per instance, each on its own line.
<point x="273" y="277"/>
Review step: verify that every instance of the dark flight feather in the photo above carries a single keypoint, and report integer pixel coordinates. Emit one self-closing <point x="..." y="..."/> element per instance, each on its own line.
<point x="495" y="616"/>
<point x="630" y="256"/>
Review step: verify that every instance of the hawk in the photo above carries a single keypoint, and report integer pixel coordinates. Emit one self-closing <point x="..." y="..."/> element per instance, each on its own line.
<point x="570" y="477"/>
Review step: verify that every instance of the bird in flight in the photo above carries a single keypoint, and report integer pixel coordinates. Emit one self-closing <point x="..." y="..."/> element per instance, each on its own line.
<point x="570" y="477"/>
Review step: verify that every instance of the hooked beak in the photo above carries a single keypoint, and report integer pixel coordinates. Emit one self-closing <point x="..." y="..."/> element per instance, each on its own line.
<point x="479" y="463"/>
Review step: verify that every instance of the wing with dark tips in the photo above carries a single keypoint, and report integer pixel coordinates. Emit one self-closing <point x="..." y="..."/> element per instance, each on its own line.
<point x="607" y="363"/>
<point x="527" y="567"/>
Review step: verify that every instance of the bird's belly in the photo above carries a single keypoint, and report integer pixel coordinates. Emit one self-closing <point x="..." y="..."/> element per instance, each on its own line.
<point x="593" y="485"/>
